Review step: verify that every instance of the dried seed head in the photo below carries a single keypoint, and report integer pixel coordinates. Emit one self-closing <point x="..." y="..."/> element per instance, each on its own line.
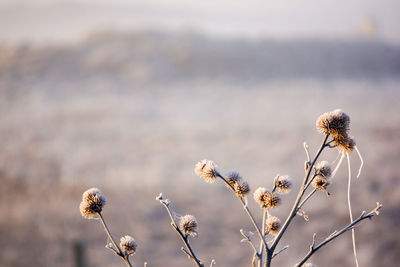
<point x="345" y="143"/>
<point x="92" y="203"/>
<point x="188" y="225"/>
<point x="320" y="183"/>
<point x="335" y="123"/>
<point x="233" y="177"/>
<point x="273" y="225"/>
<point x="266" y="199"/>
<point x="242" y="188"/>
<point x="207" y="170"/>
<point x="128" y="245"/>
<point x="323" y="168"/>
<point x="283" y="183"/>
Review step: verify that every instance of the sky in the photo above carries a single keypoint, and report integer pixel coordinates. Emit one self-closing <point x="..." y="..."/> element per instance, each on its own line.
<point x="61" y="20"/>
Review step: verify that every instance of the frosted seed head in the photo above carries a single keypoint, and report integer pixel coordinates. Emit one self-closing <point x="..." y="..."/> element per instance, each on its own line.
<point x="92" y="203"/>
<point x="128" y="245"/>
<point x="188" y="225"/>
<point x="206" y="169"/>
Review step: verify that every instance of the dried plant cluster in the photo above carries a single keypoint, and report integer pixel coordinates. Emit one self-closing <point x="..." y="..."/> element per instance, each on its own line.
<point x="335" y="127"/>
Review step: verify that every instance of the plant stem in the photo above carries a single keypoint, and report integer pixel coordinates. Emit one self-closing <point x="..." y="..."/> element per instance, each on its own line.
<point x="294" y="209"/>
<point x="261" y="242"/>
<point x="119" y="251"/>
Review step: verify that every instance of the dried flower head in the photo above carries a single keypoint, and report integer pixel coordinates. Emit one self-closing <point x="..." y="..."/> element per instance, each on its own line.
<point x="320" y="183"/>
<point x="323" y="168"/>
<point x="266" y="199"/>
<point x="233" y="177"/>
<point x="188" y="225"/>
<point x="273" y="225"/>
<point x="92" y="203"/>
<point x="241" y="188"/>
<point x="207" y="170"/>
<point x="335" y="123"/>
<point x="345" y="143"/>
<point x="283" y="183"/>
<point x="128" y="245"/>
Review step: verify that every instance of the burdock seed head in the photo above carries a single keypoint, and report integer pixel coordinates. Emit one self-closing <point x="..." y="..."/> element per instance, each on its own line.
<point x="266" y="199"/>
<point x="335" y="123"/>
<point x="323" y="168"/>
<point x="92" y="203"/>
<point x="345" y="143"/>
<point x="241" y="188"/>
<point x="188" y="225"/>
<point x="273" y="225"/>
<point x="233" y="177"/>
<point x="283" y="183"/>
<point x="320" y="183"/>
<point x="207" y="170"/>
<point x="128" y="245"/>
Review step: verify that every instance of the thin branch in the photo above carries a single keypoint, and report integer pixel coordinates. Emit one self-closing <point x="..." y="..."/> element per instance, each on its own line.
<point x="306" y="148"/>
<point x="335" y="234"/>
<point x="279" y="251"/>
<point x="306" y="198"/>
<point x="247" y="211"/>
<point x="260" y="252"/>
<point x="212" y="263"/>
<point x="184" y="237"/>
<point x="248" y="239"/>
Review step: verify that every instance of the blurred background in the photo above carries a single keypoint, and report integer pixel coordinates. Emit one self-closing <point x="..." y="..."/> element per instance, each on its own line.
<point x="127" y="96"/>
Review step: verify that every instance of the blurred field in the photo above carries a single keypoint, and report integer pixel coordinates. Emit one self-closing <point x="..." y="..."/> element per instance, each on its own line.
<point x="132" y="114"/>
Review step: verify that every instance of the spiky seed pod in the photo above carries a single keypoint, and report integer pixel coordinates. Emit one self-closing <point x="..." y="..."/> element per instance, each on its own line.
<point x="320" y="183"/>
<point x="241" y="188"/>
<point x="283" y="183"/>
<point x="335" y="123"/>
<point x="233" y="177"/>
<point x="128" y="245"/>
<point x="92" y="203"/>
<point x="207" y="170"/>
<point x="188" y="225"/>
<point x="266" y="199"/>
<point x="273" y="225"/>
<point x="323" y="168"/>
<point x="345" y="143"/>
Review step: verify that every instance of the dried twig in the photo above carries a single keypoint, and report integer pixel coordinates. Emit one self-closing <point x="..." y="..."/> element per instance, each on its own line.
<point x="335" y="234"/>
<point x="117" y="250"/>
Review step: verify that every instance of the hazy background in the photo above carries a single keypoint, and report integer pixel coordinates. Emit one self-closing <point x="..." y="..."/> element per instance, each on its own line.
<point x="128" y="96"/>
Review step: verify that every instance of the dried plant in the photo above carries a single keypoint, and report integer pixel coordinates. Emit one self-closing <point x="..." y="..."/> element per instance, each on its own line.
<point x="335" y="127"/>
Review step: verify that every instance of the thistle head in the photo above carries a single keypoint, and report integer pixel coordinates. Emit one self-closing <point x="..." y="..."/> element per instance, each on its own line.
<point x="207" y="170"/>
<point x="128" y="245"/>
<point x="266" y="199"/>
<point x="283" y="183"/>
<point x="188" y="225"/>
<point x="320" y="183"/>
<point x="92" y="203"/>
<point x="241" y="188"/>
<point x="345" y="143"/>
<point x="233" y="177"/>
<point x="324" y="168"/>
<point x="335" y="123"/>
<point x="272" y="225"/>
